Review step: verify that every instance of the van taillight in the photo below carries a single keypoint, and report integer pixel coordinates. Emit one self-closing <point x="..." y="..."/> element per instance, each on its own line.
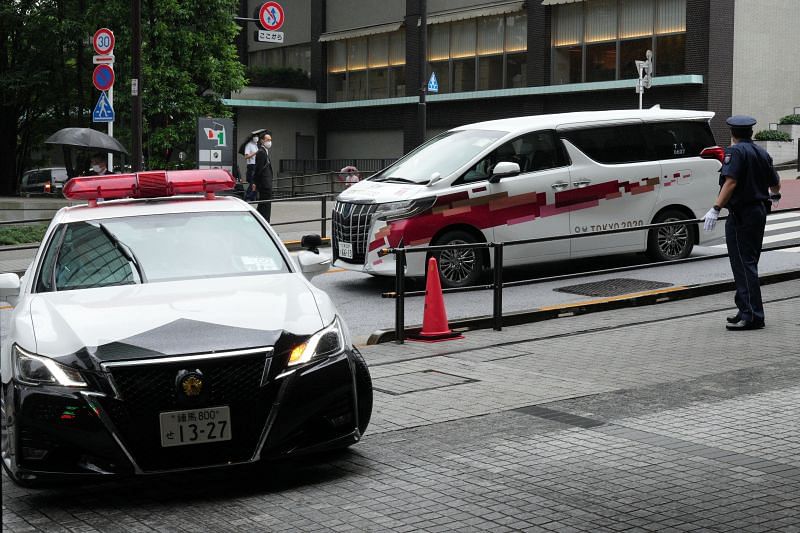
<point x="715" y="152"/>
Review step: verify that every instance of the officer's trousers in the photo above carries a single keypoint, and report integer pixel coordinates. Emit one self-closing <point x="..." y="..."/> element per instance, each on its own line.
<point x="265" y="193"/>
<point x="744" y="231"/>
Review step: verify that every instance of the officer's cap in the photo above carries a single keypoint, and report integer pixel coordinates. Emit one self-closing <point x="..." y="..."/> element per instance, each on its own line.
<point x="741" y="121"/>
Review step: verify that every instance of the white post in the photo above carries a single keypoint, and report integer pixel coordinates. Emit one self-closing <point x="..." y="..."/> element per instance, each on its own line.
<point x="111" y="127"/>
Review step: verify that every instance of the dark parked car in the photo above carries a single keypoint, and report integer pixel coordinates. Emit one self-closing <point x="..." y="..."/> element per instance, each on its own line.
<point x="43" y="181"/>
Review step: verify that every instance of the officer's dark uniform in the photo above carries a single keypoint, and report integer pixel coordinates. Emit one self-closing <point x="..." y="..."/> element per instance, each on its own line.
<point x="751" y="167"/>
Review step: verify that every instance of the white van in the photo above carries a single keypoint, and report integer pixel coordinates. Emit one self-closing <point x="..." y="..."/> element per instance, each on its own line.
<point x="537" y="176"/>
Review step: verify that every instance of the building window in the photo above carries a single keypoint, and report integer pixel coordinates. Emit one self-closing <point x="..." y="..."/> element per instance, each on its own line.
<point x="479" y="54"/>
<point x="367" y="67"/>
<point x="284" y="57"/>
<point x="600" y="40"/>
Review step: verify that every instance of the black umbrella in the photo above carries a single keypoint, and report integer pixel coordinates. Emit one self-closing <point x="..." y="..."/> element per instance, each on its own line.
<point x="256" y="133"/>
<point x="86" y="138"/>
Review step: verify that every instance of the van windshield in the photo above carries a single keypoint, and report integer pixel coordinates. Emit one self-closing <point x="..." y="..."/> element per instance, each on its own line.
<point x="441" y="156"/>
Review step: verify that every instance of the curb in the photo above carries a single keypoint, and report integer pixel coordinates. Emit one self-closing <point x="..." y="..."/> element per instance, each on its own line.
<point x="294" y="246"/>
<point x="572" y="309"/>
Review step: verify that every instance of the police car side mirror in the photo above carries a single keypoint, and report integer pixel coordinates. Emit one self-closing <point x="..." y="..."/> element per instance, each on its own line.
<point x="313" y="264"/>
<point x="9" y="284"/>
<point x="504" y="169"/>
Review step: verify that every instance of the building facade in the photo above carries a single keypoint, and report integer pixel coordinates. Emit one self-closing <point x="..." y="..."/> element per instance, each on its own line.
<point x="364" y="63"/>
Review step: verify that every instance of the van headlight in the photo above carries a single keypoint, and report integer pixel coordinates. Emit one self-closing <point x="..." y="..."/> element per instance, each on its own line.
<point x="404" y="209"/>
<point x="326" y="342"/>
<point x="37" y="370"/>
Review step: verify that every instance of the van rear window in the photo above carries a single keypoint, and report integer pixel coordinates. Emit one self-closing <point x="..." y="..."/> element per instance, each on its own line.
<point x="674" y="140"/>
<point x="611" y="144"/>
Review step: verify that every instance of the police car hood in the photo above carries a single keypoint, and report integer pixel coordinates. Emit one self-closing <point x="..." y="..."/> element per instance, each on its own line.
<point x="381" y="192"/>
<point x="173" y="318"/>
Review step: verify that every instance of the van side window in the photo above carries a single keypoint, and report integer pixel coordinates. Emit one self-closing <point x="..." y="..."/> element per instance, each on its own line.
<point x="534" y="151"/>
<point x="611" y="144"/>
<point x="674" y="140"/>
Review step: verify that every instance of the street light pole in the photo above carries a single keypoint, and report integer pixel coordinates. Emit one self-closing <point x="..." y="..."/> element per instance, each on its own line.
<point x="422" y="118"/>
<point x="136" y="84"/>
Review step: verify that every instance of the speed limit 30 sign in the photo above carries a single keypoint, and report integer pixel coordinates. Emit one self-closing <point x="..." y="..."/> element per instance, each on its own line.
<point x="103" y="41"/>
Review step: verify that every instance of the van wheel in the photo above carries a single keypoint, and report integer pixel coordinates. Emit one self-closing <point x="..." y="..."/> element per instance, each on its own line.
<point x="459" y="267"/>
<point x="670" y="242"/>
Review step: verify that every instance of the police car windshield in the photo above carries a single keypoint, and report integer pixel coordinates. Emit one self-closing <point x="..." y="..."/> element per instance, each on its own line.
<point x="441" y="156"/>
<point x="166" y="247"/>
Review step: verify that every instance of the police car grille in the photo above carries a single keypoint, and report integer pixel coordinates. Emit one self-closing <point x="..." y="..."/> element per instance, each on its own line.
<point x="148" y="390"/>
<point x="351" y="223"/>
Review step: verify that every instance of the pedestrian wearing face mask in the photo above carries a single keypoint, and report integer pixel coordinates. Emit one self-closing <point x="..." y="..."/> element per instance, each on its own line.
<point x="263" y="174"/>
<point x="99" y="166"/>
<point x="250" y="151"/>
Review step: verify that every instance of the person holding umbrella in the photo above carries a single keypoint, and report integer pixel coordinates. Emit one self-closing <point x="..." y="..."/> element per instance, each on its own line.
<point x="250" y="150"/>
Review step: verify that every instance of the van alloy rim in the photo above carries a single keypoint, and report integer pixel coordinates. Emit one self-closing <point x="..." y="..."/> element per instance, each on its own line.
<point x="456" y="265"/>
<point x="672" y="240"/>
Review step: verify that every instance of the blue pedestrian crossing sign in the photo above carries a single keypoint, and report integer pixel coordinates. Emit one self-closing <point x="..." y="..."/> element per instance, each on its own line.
<point x="433" y="84"/>
<point x="103" y="112"/>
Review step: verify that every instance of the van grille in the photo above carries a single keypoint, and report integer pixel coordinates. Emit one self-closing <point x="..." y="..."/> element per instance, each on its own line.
<point x="351" y="223"/>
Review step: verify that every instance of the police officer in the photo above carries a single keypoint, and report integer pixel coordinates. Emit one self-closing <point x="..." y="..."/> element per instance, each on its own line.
<point x="263" y="174"/>
<point x="746" y="180"/>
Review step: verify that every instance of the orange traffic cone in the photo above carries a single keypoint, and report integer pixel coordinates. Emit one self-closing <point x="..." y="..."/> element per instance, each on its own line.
<point x="434" y="319"/>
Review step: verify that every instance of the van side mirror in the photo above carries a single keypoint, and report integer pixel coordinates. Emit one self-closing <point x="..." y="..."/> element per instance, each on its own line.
<point x="311" y="243"/>
<point x="504" y="169"/>
<point x="9" y="284"/>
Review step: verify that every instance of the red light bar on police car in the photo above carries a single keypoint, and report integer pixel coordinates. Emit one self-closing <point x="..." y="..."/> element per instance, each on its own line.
<point x="152" y="184"/>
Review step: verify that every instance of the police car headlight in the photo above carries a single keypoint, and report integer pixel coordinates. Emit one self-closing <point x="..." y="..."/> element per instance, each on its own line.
<point x="326" y="342"/>
<point x="405" y="209"/>
<point x="37" y="370"/>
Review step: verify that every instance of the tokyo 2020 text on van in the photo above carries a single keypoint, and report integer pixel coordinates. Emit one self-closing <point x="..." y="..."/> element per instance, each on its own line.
<point x="537" y="176"/>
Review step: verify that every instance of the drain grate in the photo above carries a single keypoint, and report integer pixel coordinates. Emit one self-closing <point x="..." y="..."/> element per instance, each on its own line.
<point x="613" y="287"/>
<point x="418" y="381"/>
<point x="561" y="416"/>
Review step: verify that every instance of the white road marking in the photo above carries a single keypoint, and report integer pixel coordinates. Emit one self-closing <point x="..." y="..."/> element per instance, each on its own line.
<point x="782" y="216"/>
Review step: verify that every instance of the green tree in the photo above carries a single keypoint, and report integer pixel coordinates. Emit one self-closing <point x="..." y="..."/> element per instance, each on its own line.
<point x="189" y="63"/>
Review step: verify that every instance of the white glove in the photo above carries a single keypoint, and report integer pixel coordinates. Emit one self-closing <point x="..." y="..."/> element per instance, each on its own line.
<point x="710" y="219"/>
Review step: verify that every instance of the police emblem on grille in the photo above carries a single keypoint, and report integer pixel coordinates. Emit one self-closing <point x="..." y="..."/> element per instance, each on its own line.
<point x="190" y="383"/>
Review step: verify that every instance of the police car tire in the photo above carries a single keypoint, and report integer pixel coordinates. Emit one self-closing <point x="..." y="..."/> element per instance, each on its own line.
<point x="654" y="251"/>
<point x="363" y="391"/>
<point x="456" y="237"/>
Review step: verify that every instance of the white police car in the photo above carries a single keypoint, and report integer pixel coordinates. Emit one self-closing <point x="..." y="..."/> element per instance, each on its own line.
<point x="158" y="332"/>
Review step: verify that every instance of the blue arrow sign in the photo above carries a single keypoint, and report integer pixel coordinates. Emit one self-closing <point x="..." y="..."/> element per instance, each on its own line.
<point x="103" y="112"/>
<point x="433" y="84"/>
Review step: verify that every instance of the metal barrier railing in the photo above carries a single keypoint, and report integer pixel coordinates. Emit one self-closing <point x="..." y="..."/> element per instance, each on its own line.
<point x="323" y="218"/>
<point x="497" y="284"/>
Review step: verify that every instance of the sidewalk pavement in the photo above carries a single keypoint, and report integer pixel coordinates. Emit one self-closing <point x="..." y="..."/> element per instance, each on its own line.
<point x="640" y="419"/>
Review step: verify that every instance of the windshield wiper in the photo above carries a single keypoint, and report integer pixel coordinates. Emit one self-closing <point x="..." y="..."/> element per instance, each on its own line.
<point x="125" y="250"/>
<point x="400" y="180"/>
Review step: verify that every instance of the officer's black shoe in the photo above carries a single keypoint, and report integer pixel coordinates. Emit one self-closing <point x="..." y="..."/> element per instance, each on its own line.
<point x="733" y="319"/>
<point x="744" y="325"/>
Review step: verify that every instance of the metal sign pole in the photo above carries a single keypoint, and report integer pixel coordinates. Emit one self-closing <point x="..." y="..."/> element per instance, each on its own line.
<point x="111" y="128"/>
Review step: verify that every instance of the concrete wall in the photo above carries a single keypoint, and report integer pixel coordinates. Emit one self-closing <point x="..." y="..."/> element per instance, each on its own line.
<point x="296" y="28"/>
<point x="349" y="14"/>
<point x="285" y="124"/>
<point x="375" y="144"/>
<point x="766" y="68"/>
